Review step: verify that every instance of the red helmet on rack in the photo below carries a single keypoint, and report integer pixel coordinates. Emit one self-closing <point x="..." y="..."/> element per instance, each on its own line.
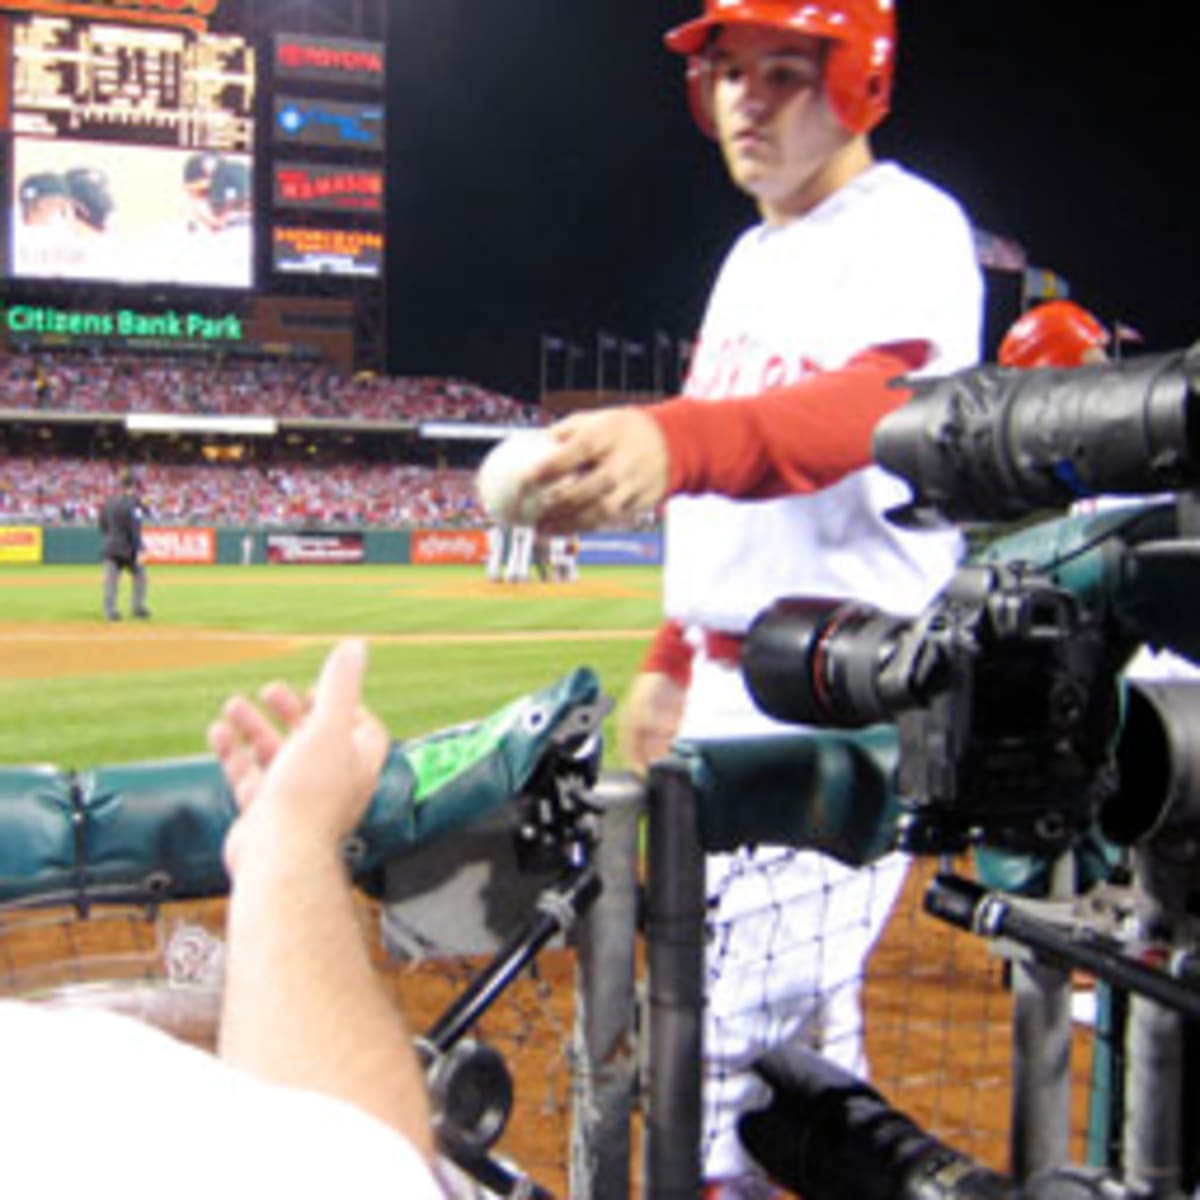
<point x="1057" y="334"/>
<point x="858" y="71"/>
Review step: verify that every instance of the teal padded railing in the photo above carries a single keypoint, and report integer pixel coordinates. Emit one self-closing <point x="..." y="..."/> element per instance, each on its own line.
<point x="826" y="790"/>
<point x="152" y="831"/>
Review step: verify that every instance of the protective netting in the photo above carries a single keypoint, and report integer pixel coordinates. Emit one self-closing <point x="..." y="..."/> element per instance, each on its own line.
<point x="937" y="1009"/>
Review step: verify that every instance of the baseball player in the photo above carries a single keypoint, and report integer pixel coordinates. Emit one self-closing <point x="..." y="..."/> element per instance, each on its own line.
<point x="45" y="242"/>
<point x="91" y="197"/>
<point x="519" y="564"/>
<point x="564" y="558"/>
<point x="1058" y="333"/>
<point x="215" y="245"/>
<point x="857" y="272"/>
<point x="495" y="552"/>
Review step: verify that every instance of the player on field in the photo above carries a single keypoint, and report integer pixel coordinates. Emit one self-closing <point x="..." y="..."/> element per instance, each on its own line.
<point x="856" y="272"/>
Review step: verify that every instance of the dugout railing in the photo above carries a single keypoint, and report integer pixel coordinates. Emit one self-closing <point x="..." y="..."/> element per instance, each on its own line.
<point x="635" y="1031"/>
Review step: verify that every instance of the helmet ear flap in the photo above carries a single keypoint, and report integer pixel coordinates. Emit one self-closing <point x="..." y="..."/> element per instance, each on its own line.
<point x="858" y="82"/>
<point x="699" y="94"/>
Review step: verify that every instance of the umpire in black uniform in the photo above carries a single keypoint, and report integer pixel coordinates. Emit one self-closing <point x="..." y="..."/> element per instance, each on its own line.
<point x="121" y="530"/>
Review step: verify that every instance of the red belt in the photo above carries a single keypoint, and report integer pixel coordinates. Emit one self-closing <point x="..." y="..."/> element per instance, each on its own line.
<point x="724" y="647"/>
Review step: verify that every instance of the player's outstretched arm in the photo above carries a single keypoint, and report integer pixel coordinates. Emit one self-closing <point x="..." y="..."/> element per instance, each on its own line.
<point x="614" y="464"/>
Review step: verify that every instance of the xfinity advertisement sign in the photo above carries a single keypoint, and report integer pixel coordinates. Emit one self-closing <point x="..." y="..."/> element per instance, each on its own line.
<point x="309" y="122"/>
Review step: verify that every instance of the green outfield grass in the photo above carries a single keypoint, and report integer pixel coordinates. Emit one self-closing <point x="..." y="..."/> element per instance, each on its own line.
<point x="81" y="715"/>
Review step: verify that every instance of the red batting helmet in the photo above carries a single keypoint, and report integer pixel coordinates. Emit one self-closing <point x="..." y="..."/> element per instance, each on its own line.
<point x="1056" y="334"/>
<point x="858" y="71"/>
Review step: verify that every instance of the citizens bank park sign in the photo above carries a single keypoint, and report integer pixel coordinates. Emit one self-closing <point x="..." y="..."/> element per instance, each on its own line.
<point x="44" y="320"/>
<point x="190" y="14"/>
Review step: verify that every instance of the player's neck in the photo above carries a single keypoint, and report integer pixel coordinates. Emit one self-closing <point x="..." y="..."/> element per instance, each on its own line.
<point x="850" y="161"/>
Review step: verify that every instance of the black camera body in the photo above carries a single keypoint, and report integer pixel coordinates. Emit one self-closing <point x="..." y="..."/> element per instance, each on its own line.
<point x="1003" y="692"/>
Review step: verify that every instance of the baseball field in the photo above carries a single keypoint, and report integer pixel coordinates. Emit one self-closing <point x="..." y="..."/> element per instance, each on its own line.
<point x="446" y="646"/>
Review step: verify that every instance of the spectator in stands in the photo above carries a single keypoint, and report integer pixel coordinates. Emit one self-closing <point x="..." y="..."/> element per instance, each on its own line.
<point x="317" y="1089"/>
<point x="250" y="386"/>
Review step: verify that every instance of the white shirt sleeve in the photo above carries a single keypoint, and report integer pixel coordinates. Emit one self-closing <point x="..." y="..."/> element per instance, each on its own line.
<point x="103" y="1105"/>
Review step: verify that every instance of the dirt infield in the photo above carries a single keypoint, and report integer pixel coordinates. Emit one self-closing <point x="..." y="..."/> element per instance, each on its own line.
<point x="60" y="650"/>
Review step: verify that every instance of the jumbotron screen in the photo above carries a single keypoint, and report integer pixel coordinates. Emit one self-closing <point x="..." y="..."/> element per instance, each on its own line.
<point x="131" y="155"/>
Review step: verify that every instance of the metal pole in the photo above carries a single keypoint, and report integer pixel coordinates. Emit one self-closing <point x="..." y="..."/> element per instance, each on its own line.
<point x="1152" y="1150"/>
<point x="1041" y="1062"/>
<point x="675" y="969"/>
<point x="605" y="1031"/>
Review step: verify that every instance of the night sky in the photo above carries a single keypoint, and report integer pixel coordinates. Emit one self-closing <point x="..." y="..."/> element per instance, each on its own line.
<point x="545" y="176"/>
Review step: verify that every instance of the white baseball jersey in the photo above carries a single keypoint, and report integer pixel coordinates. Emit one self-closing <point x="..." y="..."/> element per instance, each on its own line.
<point x="887" y="258"/>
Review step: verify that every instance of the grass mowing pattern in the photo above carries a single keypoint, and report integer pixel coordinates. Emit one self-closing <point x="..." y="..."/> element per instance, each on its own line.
<point x="109" y="716"/>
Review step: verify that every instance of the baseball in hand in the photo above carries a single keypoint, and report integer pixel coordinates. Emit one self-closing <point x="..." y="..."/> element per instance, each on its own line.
<point x="500" y="481"/>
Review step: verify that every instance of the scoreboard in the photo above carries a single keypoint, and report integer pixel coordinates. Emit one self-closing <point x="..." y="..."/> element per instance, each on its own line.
<point x="86" y="80"/>
<point x="130" y="154"/>
<point x="137" y="147"/>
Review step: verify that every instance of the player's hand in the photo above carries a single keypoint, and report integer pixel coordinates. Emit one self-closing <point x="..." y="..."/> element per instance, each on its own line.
<point x="301" y="785"/>
<point x="609" y="467"/>
<point x="649" y="719"/>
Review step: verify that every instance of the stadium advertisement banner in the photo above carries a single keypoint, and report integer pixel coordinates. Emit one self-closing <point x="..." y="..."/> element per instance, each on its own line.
<point x="20" y="544"/>
<point x="194" y="547"/>
<point x="329" y="59"/>
<point x="621" y="549"/>
<point x="328" y="188"/>
<point x="441" y="547"/>
<point x="309" y="122"/>
<point x="304" y="251"/>
<point x="315" y="548"/>
<point x="130" y="214"/>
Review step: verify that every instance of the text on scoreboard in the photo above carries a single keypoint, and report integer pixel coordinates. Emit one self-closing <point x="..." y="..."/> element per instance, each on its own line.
<point x="105" y="81"/>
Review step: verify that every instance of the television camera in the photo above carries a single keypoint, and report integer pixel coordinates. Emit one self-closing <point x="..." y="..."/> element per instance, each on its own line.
<point x="1022" y="726"/>
<point x="1016" y="727"/>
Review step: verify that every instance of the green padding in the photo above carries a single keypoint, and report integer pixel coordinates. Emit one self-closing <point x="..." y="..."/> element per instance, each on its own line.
<point x="35" y="825"/>
<point x="155" y="830"/>
<point x="165" y="819"/>
<point x="446" y="780"/>
<point x="823" y="791"/>
<point x="1093" y="858"/>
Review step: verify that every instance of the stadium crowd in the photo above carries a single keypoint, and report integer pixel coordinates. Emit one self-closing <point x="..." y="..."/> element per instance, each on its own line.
<point x="86" y="382"/>
<point x="69" y="490"/>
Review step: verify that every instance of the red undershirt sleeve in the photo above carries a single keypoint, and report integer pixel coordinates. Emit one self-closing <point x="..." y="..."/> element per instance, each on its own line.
<point x="792" y="439"/>
<point x="670" y="654"/>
